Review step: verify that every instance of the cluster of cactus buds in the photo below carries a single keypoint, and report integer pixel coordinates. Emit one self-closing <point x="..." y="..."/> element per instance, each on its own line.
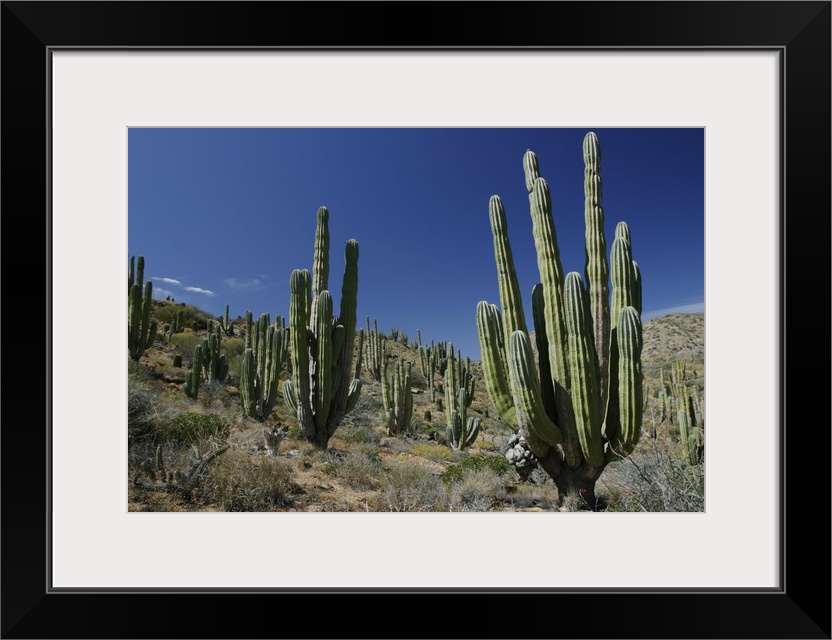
<point x="579" y="407"/>
<point x="320" y="392"/>
<point x="141" y="332"/>
<point x="520" y="456"/>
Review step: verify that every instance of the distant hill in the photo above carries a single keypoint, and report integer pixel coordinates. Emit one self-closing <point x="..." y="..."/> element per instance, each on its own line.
<point x="672" y="337"/>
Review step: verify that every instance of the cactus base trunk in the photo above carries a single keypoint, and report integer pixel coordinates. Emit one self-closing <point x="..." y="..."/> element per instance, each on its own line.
<point x="578" y="482"/>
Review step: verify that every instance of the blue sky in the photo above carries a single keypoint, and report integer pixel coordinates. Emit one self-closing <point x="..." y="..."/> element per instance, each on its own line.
<point x="223" y="216"/>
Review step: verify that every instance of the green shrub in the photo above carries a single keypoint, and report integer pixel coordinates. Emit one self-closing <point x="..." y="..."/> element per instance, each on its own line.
<point x="497" y="464"/>
<point x="187" y="343"/>
<point x="188" y="428"/>
<point x="164" y="313"/>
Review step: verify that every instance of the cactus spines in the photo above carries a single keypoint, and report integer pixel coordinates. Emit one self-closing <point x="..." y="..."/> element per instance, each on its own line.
<point x="141" y="332"/>
<point x="321" y="390"/>
<point x="582" y="401"/>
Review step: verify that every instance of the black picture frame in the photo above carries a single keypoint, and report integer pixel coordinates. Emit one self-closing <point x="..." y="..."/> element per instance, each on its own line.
<point x="799" y="31"/>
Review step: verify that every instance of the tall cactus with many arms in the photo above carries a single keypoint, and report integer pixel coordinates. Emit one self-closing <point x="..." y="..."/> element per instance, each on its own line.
<point x="397" y="397"/>
<point x="321" y="392"/>
<point x="266" y="352"/>
<point x="461" y="429"/>
<point x="580" y="408"/>
<point x="141" y="332"/>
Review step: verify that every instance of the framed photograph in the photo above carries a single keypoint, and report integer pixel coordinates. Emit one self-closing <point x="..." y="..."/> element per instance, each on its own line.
<point x="83" y="82"/>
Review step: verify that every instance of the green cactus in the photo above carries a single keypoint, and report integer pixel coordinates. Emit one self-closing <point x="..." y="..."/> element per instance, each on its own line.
<point x="689" y="412"/>
<point x="462" y="430"/>
<point x="194" y="374"/>
<point x="359" y="355"/>
<point x="141" y="332"/>
<point x="320" y="392"/>
<point x="177" y="360"/>
<point x="397" y="397"/>
<point x="214" y="363"/>
<point x="226" y="324"/>
<point x="265" y="356"/>
<point x="427" y="359"/>
<point x="579" y="407"/>
<point x="375" y="350"/>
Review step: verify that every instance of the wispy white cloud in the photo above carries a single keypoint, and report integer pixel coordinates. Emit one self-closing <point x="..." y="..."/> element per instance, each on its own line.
<point x="251" y="283"/>
<point x="697" y="307"/>
<point x="207" y="292"/>
<point x="166" y="281"/>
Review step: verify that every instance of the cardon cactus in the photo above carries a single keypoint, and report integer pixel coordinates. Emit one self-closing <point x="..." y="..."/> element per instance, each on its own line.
<point x="194" y="374"/>
<point x="226" y="324"/>
<point x="579" y="406"/>
<point x="397" y="397"/>
<point x="265" y="356"/>
<point x="321" y="392"/>
<point x="462" y="429"/>
<point x="214" y="364"/>
<point x="141" y="332"/>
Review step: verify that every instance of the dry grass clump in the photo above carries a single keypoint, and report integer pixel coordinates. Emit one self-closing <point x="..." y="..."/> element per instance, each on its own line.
<point x="656" y="479"/>
<point x="477" y="490"/>
<point x="360" y="469"/>
<point x="410" y="488"/>
<point x="238" y="481"/>
<point x="432" y="451"/>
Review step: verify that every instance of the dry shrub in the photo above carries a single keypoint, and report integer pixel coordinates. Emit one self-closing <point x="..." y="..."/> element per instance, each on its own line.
<point x="655" y="479"/>
<point x="411" y="487"/>
<point x="477" y="490"/>
<point x="238" y="481"/>
<point x="359" y="469"/>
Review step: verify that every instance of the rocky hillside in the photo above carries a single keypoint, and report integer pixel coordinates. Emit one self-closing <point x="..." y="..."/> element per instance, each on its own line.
<point x="672" y="337"/>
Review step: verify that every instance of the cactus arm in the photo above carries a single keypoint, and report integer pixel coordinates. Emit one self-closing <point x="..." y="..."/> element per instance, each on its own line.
<point x="552" y="281"/>
<point x="300" y="287"/>
<point x="320" y="264"/>
<point x="622" y="271"/>
<point x="510" y="300"/>
<point x="324" y="360"/>
<point x="247" y="391"/>
<point x="531" y="415"/>
<point x="630" y="377"/>
<point x="583" y="374"/>
<point x="596" y="269"/>
<point x="547" y="390"/>
<point x="494" y="365"/>
<point x="347" y="318"/>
